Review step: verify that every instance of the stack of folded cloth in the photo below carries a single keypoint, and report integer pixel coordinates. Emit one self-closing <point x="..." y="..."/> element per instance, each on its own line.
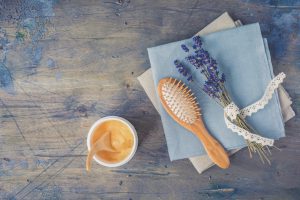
<point x="243" y="55"/>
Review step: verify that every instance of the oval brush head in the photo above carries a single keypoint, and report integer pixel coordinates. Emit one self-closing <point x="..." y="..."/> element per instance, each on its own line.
<point x="178" y="100"/>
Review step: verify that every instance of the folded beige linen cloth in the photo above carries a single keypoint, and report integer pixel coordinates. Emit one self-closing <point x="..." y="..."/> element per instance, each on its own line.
<point x="201" y="163"/>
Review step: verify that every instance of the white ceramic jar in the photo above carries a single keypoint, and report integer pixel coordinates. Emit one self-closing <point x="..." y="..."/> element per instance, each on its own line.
<point x="134" y="134"/>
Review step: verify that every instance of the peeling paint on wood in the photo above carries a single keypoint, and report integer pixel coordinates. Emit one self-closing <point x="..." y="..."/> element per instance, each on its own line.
<point x="65" y="64"/>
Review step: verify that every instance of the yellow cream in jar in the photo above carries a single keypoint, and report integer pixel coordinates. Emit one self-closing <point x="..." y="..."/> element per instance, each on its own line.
<point x="121" y="139"/>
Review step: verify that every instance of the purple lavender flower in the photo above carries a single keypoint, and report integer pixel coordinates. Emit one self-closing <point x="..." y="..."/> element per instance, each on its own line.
<point x="202" y="54"/>
<point x="190" y="78"/>
<point x="184" y="48"/>
<point x="223" y="79"/>
<point x="194" y="61"/>
<point x="208" y="66"/>
<point x="214" y="64"/>
<point x="183" y="70"/>
<point x="197" y="42"/>
<point x="212" y="89"/>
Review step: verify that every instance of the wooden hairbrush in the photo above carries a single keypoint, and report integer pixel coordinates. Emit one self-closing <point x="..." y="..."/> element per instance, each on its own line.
<point x="181" y="105"/>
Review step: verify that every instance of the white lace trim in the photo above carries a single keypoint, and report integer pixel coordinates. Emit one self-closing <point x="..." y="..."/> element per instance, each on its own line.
<point x="260" y="104"/>
<point x="248" y="135"/>
<point x="231" y="111"/>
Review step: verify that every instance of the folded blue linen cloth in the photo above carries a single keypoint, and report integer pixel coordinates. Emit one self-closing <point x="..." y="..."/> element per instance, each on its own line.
<point x="242" y="54"/>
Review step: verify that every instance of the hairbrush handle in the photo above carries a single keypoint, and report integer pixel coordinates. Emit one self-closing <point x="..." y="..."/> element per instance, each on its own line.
<point x="213" y="148"/>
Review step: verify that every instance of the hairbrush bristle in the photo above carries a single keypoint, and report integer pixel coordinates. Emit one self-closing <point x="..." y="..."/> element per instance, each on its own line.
<point x="181" y="100"/>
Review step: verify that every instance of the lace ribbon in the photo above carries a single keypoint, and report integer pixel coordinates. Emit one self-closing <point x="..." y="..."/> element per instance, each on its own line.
<point x="231" y="111"/>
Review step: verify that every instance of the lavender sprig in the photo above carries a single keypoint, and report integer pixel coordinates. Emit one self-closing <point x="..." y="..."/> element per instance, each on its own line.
<point x="184" y="48"/>
<point x="208" y="66"/>
<point x="183" y="70"/>
<point x="214" y="86"/>
<point x="197" y="42"/>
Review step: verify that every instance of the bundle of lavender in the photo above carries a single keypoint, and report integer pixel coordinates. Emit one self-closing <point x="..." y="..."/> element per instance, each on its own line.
<point x="214" y="86"/>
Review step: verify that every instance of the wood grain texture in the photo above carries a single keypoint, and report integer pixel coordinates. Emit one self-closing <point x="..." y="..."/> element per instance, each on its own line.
<point x="65" y="64"/>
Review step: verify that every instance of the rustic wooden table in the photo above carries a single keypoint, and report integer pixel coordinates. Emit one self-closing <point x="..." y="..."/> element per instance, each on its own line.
<point x="65" y="64"/>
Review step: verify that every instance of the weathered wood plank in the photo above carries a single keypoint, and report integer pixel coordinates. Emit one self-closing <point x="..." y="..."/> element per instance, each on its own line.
<point x="76" y="61"/>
